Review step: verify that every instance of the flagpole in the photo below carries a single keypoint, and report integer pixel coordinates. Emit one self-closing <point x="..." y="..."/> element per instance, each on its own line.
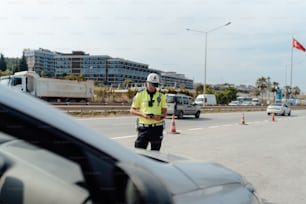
<point x="291" y="67"/>
<point x="299" y="46"/>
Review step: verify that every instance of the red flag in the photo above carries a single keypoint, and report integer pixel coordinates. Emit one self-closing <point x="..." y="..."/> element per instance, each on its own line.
<point x="297" y="45"/>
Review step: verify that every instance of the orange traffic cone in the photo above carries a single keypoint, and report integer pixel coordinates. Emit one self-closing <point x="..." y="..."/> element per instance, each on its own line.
<point x="273" y="117"/>
<point x="172" y="126"/>
<point x="242" y="119"/>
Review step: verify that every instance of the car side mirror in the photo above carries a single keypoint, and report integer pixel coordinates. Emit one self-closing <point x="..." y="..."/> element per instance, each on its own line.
<point x="139" y="186"/>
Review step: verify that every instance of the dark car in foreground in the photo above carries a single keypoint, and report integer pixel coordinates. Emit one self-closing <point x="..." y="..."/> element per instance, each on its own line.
<point x="48" y="157"/>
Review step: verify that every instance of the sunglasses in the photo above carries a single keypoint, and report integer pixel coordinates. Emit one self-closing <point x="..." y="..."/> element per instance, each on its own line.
<point x="153" y="84"/>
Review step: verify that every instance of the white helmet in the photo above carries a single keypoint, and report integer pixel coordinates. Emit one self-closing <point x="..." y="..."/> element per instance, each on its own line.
<point x="153" y="78"/>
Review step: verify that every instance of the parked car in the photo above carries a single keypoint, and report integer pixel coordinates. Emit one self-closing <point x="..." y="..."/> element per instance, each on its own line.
<point x="234" y="103"/>
<point x="245" y="100"/>
<point x="181" y="104"/>
<point x="279" y="109"/>
<point x="256" y="101"/>
<point x="49" y="157"/>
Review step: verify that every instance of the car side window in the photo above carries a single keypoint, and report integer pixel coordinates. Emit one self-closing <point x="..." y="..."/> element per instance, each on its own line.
<point x="186" y="101"/>
<point x="179" y="100"/>
<point x="170" y="99"/>
<point x="17" y="81"/>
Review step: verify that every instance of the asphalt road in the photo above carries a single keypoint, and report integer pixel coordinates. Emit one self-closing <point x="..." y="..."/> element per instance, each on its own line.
<point x="270" y="154"/>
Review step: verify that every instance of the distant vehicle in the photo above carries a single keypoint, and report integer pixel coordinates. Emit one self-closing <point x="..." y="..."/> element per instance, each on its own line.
<point x="180" y="105"/>
<point x="256" y="101"/>
<point x="245" y="101"/>
<point x="279" y="109"/>
<point x="234" y="103"/>
<point x="292" y="101"/>
<point x="210" y="99"/>
<point x="50" y="89"/>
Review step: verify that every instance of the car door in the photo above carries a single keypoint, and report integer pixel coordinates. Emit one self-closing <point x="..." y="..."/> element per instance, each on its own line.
<point x="190" y="107"/>
<point x="179" y="104"/>
<point x="287" y="109"/>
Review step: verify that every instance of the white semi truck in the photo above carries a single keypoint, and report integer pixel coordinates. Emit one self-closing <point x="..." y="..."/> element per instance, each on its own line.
<point x="50" y="89"/>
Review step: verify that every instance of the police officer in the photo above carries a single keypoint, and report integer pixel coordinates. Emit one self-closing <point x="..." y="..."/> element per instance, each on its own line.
<point x="150" y="106"/>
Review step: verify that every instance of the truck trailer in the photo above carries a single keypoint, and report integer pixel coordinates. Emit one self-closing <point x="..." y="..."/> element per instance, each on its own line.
<point x="50" y="89"/>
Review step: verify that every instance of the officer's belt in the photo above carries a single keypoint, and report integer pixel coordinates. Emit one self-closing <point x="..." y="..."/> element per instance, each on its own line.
<point x="150" y="125"/>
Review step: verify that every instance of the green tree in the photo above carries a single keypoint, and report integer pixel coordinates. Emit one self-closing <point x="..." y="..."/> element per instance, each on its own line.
<point x="231" y="93"/>
<point x="23" y="66"/>
<point x="209" y="89"/>
<point x="274" y="89"/>
<point x="287" y="91"/>
<point x="199" y="89"/>
<point x="127" y="82"/>
<point x="3" y="65"/>
<point x="226" y="95"/>
<point x="296" y="91"/>
<point x="80" y="77"/>
<point x="221" y="97"/>
<point x="261" y="85"/>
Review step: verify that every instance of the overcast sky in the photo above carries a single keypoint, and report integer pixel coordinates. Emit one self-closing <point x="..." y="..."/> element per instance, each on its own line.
<point x="257" y="43"/>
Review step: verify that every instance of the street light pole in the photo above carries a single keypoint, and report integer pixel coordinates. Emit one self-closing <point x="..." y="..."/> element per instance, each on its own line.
<point x="205" y="56"/>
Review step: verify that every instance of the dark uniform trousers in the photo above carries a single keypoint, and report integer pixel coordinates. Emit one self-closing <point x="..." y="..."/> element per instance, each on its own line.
<point x="154" y="135"/>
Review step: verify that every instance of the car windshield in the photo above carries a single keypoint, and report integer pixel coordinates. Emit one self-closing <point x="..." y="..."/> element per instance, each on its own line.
<point x="170" y="99"/>
<point x="5" y="81"/>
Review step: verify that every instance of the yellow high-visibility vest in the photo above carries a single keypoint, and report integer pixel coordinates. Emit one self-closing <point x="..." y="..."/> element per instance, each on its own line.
<point x="141" y="101"/>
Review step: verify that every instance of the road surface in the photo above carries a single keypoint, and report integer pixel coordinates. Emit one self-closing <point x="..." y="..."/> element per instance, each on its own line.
<point x="270" y="154"/>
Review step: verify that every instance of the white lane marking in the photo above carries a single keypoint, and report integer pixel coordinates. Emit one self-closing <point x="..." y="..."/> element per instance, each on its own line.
<point x="215" y="126"/>
<point x="228" y="125"/>
<point x="105" y="118"/>
<point x="192" y="129"/>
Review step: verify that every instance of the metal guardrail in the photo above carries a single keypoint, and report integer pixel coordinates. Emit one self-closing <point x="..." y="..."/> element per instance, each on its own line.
<point x="77" y="107"/>
<point x="232" y="108"/>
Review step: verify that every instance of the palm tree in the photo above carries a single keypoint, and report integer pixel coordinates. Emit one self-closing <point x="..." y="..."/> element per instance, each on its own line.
<point x="274" y="89"/>
<point x="287" y="91"/>
<point x="261" y="85"/>
<point x="296" y="91"/>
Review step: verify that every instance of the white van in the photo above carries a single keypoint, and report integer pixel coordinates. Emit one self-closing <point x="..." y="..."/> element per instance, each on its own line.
<point x="210" y="99"/>
<point x="180" y="105"/>
<point x="256" y="102"/>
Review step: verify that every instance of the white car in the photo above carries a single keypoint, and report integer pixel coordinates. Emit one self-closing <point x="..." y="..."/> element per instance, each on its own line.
<point x="181" y="104"/>
<point x="279" y="109"/>
<point x="234" y="103"/>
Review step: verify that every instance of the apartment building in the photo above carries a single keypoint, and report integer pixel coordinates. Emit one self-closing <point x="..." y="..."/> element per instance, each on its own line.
<point x="41" y="61"/>
<point x="101" y="68"/>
